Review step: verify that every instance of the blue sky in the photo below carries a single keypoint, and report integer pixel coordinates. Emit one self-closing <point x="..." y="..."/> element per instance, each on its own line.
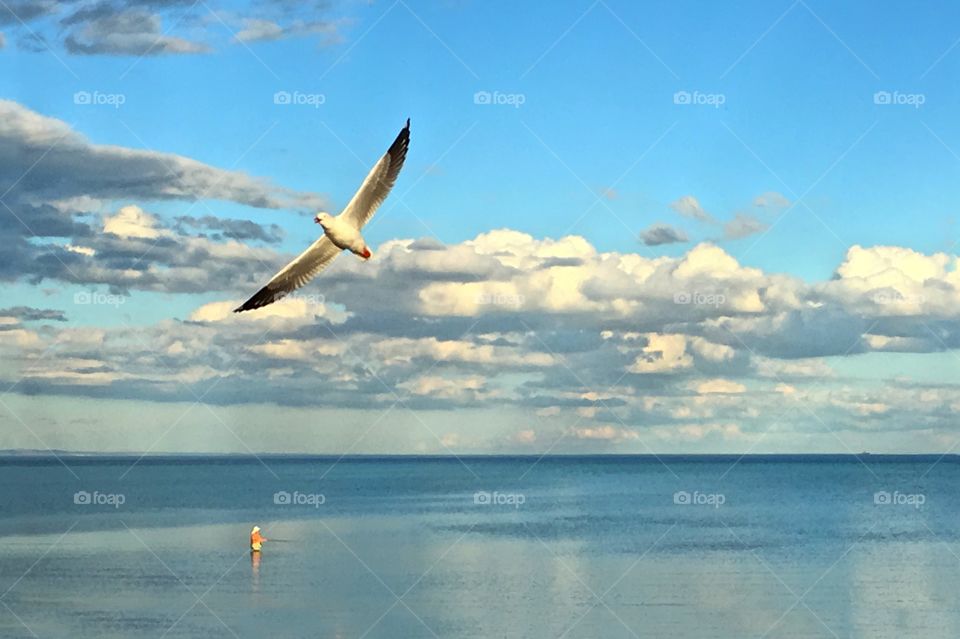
<point x="601" y="145"/>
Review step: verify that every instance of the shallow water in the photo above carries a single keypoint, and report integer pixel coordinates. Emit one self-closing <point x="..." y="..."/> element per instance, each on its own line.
<point x="568" y="546"/>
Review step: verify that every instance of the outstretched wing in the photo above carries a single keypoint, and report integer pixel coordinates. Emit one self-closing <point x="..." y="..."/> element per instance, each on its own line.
<point x="293" y="275"/>
<point x="379" y="181"/>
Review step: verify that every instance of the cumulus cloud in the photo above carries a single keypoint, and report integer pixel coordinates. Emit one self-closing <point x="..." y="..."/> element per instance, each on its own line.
<point x="662" y="354"/>
<point x="903" y="288"/>
<point x="131" y="249"/>
<point x="696" y="347"/>
<point x="131" y="221"/>
<point x="658" y="234"/>
<point x="296" y="308"/>
<point x="67" y="197"/>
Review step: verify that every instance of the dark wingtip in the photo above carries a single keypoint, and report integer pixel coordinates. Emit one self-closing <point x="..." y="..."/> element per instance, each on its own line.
<point x="408" y="124"/>
<point x="261" y="298"/>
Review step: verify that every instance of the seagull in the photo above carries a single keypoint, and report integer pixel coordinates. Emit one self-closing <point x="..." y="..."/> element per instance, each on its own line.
<point x="341" y="232"/>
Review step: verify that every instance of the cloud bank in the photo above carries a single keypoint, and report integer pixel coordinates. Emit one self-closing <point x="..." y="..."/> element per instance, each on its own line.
<point x="599" y="350"/>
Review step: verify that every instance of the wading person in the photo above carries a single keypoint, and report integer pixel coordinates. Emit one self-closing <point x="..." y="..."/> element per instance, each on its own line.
<point x="256" y="539"/>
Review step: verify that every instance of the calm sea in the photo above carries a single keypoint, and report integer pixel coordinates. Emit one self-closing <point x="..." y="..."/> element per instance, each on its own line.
<point x="764" y="546"/>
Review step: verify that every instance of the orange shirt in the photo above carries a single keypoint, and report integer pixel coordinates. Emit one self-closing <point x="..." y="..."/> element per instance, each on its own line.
<point x="256" y="539"/>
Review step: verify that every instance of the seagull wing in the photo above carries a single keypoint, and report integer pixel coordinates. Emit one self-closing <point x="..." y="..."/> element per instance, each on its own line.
<point x="294" y="275"/>
<point x="379" y="182"/>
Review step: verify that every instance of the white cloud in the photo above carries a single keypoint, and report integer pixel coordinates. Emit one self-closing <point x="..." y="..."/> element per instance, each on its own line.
<point x="698" y="432"/>
<point x="132" y="221"/>
<point x="743" y="225"/>
<point x="689" y="206"/>
<point x="257" y="30"/>
<point x="73" y="167"/>
<point x="543" y="325"/>
<point x="300" y="350"/>
<point x="895" y="281"/>
<point x="662" y="354"/>
<point x="710" y="351"/>
<point x="128" y="32"/>
<point x="720" y="386"/>
<point x="80" y="250"/>
<point x="469" y="387"/>
<point x="771" y="200"/>
<point x="296" y="310"/>
<point x="605" y="433"/>
<point x="783" y="369"/>
<point x="658" y="234"/>
<point x="406" y="349"/>
<point x="527" y="436"/>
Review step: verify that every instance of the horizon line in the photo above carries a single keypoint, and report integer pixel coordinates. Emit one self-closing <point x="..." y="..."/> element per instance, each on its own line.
<point x="54" y="454"/>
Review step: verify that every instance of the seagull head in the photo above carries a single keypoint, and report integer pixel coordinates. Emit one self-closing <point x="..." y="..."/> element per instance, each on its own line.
<point x="322" y="218"/>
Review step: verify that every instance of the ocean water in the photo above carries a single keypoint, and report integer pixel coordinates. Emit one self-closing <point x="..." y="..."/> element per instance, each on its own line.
<point x="764" y="546"/>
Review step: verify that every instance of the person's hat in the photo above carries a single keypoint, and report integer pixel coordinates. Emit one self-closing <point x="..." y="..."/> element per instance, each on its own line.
<point x="255" y="529"/>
